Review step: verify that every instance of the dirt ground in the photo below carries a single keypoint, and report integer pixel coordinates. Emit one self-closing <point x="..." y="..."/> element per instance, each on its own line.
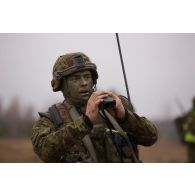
<point x="164" y="152"/>
<point x="17" y="151"/>
<point x="20" y="151"/>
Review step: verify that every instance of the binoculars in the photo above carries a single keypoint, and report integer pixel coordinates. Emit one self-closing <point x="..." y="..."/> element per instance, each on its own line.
<point x="108" y="102"/>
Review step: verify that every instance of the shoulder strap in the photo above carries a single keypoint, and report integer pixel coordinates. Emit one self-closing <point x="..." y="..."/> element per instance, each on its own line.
<point x="46" y="115"/>
<point x="89" y="145"/>
<point x="86" y="140"/>
<point x="55" y="116"/>
<point x="122" y="132"/>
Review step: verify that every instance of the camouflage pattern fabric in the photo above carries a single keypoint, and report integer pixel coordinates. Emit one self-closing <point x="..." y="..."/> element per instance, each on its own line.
<point x="70" y="63"/>
<point x="64" y="143"/>
<point x="76" y="76"/>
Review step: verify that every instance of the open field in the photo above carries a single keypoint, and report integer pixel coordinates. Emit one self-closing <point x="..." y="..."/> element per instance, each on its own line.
<point x="164" y="152"/>
<point x="17" y="151"/>
<point x="20" y="151"/>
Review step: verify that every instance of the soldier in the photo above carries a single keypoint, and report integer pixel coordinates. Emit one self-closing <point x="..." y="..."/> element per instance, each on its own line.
<point x="78" y="129"/>
<point x="186" y="127"/>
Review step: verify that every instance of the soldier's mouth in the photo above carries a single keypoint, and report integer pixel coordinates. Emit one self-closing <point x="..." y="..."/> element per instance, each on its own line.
<point x="86" y="92"/>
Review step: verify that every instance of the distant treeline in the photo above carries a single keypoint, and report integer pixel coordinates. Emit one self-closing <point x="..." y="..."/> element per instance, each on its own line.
<point x="167" y="130"/>
<point x="17" y="123"/>
<point x="14" y="122"/>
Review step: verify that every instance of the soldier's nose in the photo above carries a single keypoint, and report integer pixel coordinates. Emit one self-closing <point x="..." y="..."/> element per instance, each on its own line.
<point x="83" y="81"/>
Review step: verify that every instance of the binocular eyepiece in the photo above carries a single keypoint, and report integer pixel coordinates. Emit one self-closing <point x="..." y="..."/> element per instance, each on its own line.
<point x="108" y="102"/>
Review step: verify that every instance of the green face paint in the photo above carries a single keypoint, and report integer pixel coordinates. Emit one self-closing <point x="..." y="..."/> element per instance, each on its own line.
<point x="80" y="86"/>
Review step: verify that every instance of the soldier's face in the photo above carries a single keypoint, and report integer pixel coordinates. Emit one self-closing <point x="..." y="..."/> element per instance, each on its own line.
<point x="80" y="86"/>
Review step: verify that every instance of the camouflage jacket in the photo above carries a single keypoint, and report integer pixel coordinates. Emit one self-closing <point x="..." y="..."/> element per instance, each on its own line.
<point x="64" y="143"/>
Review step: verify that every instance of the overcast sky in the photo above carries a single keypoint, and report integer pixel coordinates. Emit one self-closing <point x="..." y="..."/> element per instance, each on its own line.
<point x="160" y="68"/>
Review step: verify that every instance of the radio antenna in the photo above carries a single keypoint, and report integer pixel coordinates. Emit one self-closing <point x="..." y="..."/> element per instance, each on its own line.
<point x="123" y="67"/>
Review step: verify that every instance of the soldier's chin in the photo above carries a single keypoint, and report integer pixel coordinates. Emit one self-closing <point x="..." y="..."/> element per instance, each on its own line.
<point x="80" y="99"/>
<point x="84" y="98"/>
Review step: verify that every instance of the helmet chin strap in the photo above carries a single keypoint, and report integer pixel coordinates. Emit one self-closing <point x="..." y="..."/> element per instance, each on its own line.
<point x="93" y="88"/>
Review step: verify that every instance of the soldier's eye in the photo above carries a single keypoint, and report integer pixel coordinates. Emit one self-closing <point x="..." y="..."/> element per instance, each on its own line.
<point x="74" y="78"/>
<point x="88" y="76"/>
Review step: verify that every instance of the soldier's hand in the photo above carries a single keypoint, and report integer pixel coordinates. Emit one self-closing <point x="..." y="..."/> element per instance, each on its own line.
<point x="119" y="111"/>
<point x="92" y="105"/>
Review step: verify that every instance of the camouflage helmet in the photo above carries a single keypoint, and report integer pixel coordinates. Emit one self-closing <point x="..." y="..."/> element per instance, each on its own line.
<point x="70" y="63"/>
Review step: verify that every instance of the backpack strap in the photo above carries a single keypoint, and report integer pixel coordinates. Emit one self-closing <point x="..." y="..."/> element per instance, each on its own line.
<point x="122" y="132"/>
<point x="55" y="116"/>
<point x="90" y="147"/>
<point x="86" y="140"/>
